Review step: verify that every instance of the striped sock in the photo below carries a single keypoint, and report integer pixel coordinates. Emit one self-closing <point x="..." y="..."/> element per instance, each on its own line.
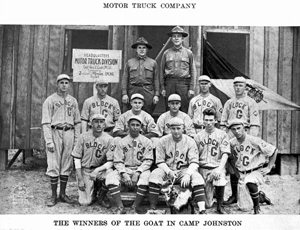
<point x="54" y="182"/>
<point x="63" y="184"/>
<point x="199" y="193"/>
<point x="140" y="194"/>
<point x="154" y="190"/>
<point x="115" y="192"/>
<point x="254" y="193"/>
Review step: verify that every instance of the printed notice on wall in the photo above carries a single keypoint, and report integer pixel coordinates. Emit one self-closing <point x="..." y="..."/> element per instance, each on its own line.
<point x="92" y="65"/>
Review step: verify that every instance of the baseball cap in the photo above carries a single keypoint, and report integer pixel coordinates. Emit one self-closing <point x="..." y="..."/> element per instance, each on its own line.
<point x="62" y="76"/>
<point x="174" y="97"/>
<point x="175" y="121"/>
<point x="204" y="78"/>
<point x="239" y="79"/>
<point x="97" y="116"/>
<point x="135" y="118"/>
<point x="102" y="82"/>
<point x="137" y="95"/>
<point x="236" y="122"/>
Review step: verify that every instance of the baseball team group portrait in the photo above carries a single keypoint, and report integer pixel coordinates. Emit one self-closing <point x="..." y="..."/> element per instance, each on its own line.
<point x="175" y="119"/>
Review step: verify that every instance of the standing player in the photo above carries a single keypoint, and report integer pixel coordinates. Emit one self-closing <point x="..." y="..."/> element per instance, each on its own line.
<point x="255" y="159"/>
<point x="174" y="103"/>
<point x="178" y="69"/>
<point x="133" y="158"/>
<point x="100" y="104"/>
<point x="214" y="148"/>
<point x="61" y="127"/>
<point x="148" y="128"/>
<point x="239" y="107"/>
<point x="141" y="76"/>
<point x="177" y="159"/>
<point x="92" y="161"/>
<point x="202" y="101"/>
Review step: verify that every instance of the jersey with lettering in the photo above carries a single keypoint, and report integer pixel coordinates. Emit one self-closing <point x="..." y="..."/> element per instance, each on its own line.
<point x="252" y="153"/>
<point x="244" y="108"/>
<point x="60" y="111"/>
<point x="108" y="106"/>
<point x="177" y="155"/>
<point x="148" y="123"/>
<point x="164" y="119"/>
<point x="199" y="103"/>
<point x="93" y="151"/>
<point x="133" y="152"/>
<point x="211" y="147"/>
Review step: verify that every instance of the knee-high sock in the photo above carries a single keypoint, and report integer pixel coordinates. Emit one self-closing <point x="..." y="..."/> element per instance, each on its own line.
<point x="115" y="192"/>
<point x="54" y="182"/>
<point x="63" y="184"/>
<point x="220" y="194"/>
<point x="234" y="184"/>
<point x="253" y="189"/>
<point x="154" y="190"/>
<point x="140" y="194"/>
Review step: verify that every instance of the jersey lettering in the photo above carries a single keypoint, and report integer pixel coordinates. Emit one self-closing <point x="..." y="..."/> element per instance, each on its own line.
<point x="239" y="114"/>
<point x="98" y="153"/>
<point x="139" y="155"/>
<point x="69" y="111"/>
<point x="213" y="151"/>
<point x="246" y="161"/>
<point x="180" y="164"/>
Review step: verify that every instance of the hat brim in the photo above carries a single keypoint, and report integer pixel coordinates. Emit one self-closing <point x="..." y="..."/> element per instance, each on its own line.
<point x="63" y="79"/>
<point x="229" y="127"/>
<point x="136" y="44"/>
<point x="184" y="34"/>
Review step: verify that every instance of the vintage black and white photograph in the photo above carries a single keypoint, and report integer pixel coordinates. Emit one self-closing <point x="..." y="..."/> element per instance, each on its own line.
<point x="164" y="119"/>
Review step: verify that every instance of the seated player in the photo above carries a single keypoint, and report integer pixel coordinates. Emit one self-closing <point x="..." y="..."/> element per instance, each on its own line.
<point x="177" y="159"/>
<point x="174" y="103"/>
<point x="133" y="158"/>
<point x="214" y="148"/>
<point x="93" y="160"/>
<point x="254" y="159"/>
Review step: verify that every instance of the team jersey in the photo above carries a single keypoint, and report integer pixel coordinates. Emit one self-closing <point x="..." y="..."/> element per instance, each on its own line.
<point x="93" y="151"/>
<point x="108" y="106"/>
<point x="211" y="147"/>
<point x="252" y="153"/>
<point x="199" y="103"/>
<point x="148" y="124"/>
<point x="244" y="108"/>
<point x="164" y="119"/>
<point x="177" y="155"/>
<point x="60" y="111"/>
<point x="133" y="152"/>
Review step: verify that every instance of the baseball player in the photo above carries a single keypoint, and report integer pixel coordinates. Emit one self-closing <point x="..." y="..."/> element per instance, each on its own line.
<point x="202" y="101"/>
<point x="174" y="103"/>
<point x="133" y="158"/>
<point x="177" y="159"/>
<point x="141" y="76"/>
<point x="103" y="104"/>
<point x="93" y="160"/>
<point x="239" y="107"/>
<point x="61" y="127"/>
<point x="214" y="148"/>
<point x="178" y="69"/>
<point x="148" y="128"/>
<point x="255" y="159"/>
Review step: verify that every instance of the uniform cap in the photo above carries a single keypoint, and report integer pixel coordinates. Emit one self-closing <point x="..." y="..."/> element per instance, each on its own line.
<point x="236" y="122"/>
<point x="239" y="79"/>
<point x="102" y="82"/>
<point x="178" y="30"/>
<point x="174" y="97"/>
<point x="135" y="118"/>
<point x="137" y="95"/>
<point x="175" y="121"/>
<point x="62" y="76"/>
<point x="204" y="78"/>
<point x="141" y="41"/>
<point x="97" y="116"/>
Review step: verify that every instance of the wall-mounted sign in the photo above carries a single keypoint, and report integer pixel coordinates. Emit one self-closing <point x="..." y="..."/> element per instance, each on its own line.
<point x="92" y="65"/>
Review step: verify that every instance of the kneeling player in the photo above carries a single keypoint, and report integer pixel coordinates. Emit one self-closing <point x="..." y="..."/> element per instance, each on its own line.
<point x="177" y="159"/>
<point x="213" y="146"/>
<point x="255" y="159"/>
<point x="93" y="159"/>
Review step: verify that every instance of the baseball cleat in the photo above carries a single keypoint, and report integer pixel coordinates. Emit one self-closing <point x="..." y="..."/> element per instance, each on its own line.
<point x="221" y="210"/>
<point x="263" y="198"/>
<point x="104" y="203"/>
<point x="256" y="209"/>
<point x="231" y="200"/>
<point x="202" y="212"/>
<point x="52" y="201"/>
<point x="66" y="199"/>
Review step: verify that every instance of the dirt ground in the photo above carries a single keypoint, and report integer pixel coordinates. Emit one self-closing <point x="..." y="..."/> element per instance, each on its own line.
<point x="25" y="188"/>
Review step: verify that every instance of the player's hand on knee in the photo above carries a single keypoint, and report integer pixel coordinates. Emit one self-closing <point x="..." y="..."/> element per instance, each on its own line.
<point x="172" y="175"/>
<point x="81" y="185"/>
<point x="185" y="181"/>
<point x="135" y="178"/>
<point x="127" y="180"/>
<point x="50" y="147"/>
<point x="216" y="174"/>
<point x="264" y="171"/>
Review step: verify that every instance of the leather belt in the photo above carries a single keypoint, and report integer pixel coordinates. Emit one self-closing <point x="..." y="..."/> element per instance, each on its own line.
<point x="65" y="128"/>
<point x="250" y="171"/>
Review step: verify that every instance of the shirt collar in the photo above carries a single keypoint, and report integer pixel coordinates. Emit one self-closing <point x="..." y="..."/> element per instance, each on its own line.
<point x="140" y="57"/>
<point x="177" y="49"/>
